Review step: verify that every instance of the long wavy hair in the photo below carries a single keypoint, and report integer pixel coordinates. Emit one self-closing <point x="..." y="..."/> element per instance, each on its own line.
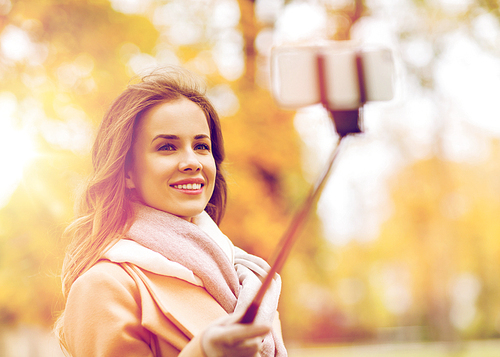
<point x="103" y="209"/>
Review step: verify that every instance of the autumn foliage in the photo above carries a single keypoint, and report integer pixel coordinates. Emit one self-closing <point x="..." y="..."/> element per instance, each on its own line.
<point x="432" y="273"/>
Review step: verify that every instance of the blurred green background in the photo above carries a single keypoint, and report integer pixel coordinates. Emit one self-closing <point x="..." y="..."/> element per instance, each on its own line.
<point x="404" y="248"/>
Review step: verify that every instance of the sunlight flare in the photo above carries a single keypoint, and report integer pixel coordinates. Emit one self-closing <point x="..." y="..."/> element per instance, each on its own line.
<point x="16" y="146"/>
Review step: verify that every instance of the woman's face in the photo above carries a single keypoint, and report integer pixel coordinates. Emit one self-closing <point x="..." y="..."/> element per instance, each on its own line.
<point x="173" y="169"/>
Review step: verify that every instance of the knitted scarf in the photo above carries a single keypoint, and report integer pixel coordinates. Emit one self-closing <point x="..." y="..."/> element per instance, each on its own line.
<point x="185" y="243"/>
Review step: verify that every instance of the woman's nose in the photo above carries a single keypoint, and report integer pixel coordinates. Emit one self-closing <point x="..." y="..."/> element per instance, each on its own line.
<point x="190" y="162"/>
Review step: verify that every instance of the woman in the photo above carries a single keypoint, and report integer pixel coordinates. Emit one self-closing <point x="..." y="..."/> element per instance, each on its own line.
<point x="148" y="272"/>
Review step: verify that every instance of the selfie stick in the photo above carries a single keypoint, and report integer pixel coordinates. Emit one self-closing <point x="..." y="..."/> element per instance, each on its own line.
<point x="346" y="122"/>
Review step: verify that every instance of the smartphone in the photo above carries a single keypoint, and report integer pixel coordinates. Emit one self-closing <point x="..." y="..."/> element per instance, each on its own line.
<point x="351" y="75"/>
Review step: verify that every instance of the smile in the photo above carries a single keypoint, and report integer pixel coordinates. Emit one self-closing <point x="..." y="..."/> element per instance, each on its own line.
<point x="189" y="186"/>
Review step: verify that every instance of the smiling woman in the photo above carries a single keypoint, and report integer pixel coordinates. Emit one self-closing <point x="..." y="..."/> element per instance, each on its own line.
<point x="16" y="147"/>
<point x="149" y="272"/>
<point x="175" y="170"/>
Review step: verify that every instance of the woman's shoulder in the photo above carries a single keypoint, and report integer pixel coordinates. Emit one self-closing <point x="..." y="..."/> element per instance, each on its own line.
<point x="105" y="269"/>
<point x="104" y="275"/>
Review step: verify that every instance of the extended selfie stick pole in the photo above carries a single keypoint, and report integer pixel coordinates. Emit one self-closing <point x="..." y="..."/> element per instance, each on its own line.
<point x="288" y="240"/>
<point x="346" y="122"/>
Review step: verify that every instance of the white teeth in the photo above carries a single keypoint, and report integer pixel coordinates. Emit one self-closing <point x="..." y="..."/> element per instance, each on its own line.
<point x="189" y="186"/>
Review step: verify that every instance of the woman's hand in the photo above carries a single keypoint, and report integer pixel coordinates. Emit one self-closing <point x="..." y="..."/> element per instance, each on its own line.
<point x="251" y="271"/>
<point x="228" y="338"/>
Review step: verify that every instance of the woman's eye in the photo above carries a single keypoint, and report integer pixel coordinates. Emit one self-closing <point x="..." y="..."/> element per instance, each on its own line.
<point x="202" y="147"/>
<point x="166" y="147"/>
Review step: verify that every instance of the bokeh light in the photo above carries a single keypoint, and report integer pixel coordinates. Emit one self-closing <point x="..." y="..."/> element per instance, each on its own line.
<point x="16" y="145"/>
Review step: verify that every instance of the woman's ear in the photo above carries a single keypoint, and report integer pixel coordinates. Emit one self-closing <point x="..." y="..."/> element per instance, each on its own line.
<point x="129" y="182"/>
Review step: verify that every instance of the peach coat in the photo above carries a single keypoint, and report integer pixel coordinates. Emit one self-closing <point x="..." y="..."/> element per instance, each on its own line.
<point x="119" y="309"/>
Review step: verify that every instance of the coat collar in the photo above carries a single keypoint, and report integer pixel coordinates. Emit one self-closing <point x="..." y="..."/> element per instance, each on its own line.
<point x="187" y="307"/>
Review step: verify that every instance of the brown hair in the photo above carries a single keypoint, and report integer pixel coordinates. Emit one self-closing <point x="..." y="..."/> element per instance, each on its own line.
<point x="104" y="213"/>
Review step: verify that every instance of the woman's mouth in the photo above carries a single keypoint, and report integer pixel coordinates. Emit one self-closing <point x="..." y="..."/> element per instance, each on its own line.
<point x="188" y="186"/>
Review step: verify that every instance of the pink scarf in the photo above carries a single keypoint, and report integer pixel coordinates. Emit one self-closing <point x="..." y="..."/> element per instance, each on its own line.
<point x="185" y="243"/>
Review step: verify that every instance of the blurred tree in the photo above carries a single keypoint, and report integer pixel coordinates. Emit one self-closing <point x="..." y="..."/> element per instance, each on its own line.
<point x="82" y="55"/>
<point x="442" y="229"/>
<point x="435" y="197"/>
<point x="85" y="55"/>
<point x="64" y="67"/>
<point x="433" y="264"/>
<point x="64" y="61"/>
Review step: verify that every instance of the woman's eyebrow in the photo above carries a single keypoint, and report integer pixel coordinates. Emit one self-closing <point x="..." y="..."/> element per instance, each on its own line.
<point x="165" y="136"/>
<point x="175" y="137"/>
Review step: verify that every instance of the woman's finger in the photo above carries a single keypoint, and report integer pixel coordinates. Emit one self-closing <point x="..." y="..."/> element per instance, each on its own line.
<point x="234" y="339"/>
